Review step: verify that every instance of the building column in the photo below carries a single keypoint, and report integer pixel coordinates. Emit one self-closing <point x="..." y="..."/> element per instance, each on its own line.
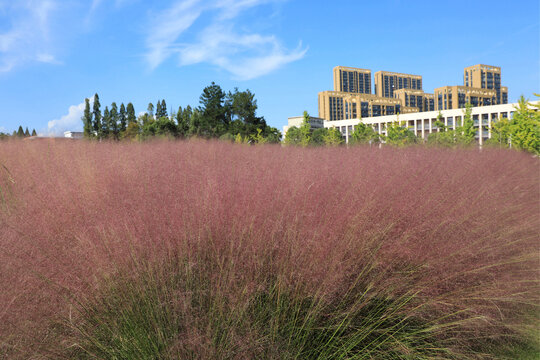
<point x="346" y="134"/>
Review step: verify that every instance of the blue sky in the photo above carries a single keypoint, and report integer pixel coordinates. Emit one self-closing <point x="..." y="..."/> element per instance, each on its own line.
<point x="55" y="53"/>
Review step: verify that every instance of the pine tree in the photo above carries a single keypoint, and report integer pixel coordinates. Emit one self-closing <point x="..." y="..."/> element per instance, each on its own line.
<point x="34" y="132"/>
<point x="131" y="118"/>
<point x="20" y="132"/>
<point x="105" y="129"/>
<point x="87" y="119"/>
<point x="97" y="116"/>
<point x="122" y="118"/>
<point x="113" y="121"/>
<point x="158" y="109"/>
<point x="164" y="112"/>
<point x="26" y="132"/>
<point x="150" y="110"/>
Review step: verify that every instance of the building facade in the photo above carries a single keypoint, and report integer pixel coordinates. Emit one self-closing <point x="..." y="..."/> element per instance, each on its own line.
<point x="402" y="93"/>
<point x="415" y="99"/>
<point x="424" y="123"/>
<point x="336" y="105"/>
<point x="387" y="82"/>
<point x="456" y="97"/>
<point x="352" y="80"/>
<point x="486" y="77"/>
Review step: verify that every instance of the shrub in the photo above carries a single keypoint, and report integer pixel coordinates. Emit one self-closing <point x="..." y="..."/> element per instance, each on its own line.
<point x="213" y="250"/>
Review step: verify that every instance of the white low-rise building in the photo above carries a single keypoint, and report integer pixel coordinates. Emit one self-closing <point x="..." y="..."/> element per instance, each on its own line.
<point x="73" y="134"/>
<point x="423" y="123"/>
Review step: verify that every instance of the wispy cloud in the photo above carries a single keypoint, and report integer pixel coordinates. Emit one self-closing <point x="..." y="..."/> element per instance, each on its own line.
<point x="26" y="36"/>
<point x="246" y="55"/>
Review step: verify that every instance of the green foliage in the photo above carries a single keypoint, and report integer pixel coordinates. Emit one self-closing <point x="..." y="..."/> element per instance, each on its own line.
<point x="20" y="132"/>
<point x="293" y="136"/>
<point x="317" y="136"/>
<point x="364" y="134"/>
<point x="96" y="112"/>
<point x="305" y="130"/>
<point x="333" y="137"/>
<point x="87" y="120"/>
<point x="463" y="134"/>
<point x="34" y="132"/>
<point x="219" y="114"/>
<point x="131" y="118"/>
<point x="398" y="134"/>
<point x="122" y="118"/>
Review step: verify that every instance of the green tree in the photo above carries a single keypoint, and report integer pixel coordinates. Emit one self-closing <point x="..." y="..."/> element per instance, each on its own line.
<point x="364" y="134"/>
<point x="87" y="119"/>
<point x="26" y="132"/>
<point x="97" y="116"/>
<point x="132" y="131"/>
<point x="293" y="137"/>
<point x="164" y="112"/>
<point x="20" y="132"/>
<point x="131" y="118"/>
<point x="466" y="133"/>
<point x="317" y="136"/>
<point x="105" y="123"/>
<point x="398" y="134"/>
<point x="525" y="127"/>
<point x="333" y="137"/>
<point x="34" y="132"/>
<point x="212" y="121"/>
<point x="305" y="130"/>
<point x="122" y="118"/>
<point x="113" y="122"/>
<point x="158" y="109"/>
<point x="150" y="110"/>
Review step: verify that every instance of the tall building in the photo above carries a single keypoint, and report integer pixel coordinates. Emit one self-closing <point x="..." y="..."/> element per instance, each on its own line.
<point x="485" y="77"/>
<point x="353" y="80"/>
<point x="337" y="105"/>
<point x="455" y="97"/>
<point x="397" y="93"/>
<point x="387" y="82"/>
<point x="415" y="99"/>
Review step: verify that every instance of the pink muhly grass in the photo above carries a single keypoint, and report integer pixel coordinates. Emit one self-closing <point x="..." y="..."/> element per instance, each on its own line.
<point x="458" y="229"/>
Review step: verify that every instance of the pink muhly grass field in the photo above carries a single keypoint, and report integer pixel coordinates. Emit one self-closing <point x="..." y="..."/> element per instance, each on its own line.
<point x="458" y="230"/>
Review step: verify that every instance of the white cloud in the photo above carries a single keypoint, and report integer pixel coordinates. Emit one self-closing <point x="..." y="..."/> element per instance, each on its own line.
<point x="26" y="37"/>
<point x="244" y="54"/>
<point x="71" y="121"/>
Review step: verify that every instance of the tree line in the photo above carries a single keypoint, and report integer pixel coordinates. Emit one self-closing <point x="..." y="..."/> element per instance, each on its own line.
<point x="229" y="116"/>
<point x="20" y="133"/>
<point x="521" y="132"/>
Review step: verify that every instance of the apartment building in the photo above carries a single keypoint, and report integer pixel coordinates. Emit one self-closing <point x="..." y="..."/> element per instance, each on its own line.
<point x="455" y="97"/>
<point x="486" y="77"/>
<point x="402" y="93"/>
<point x="353" y="80"/>
<point x="387" y="82"/>
<point x="415" y="99"/>
<point x="337" y="105"/>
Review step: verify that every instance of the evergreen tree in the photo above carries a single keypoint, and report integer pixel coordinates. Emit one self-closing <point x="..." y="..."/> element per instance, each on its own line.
<point x="87" y="119"/>
<point x="20" y="132"/>
<point x="150" y="109"/>
<point x="131" y="118"/>
<point x="97" y="116"/>
<point x="34" y="132"/>
<point x="105" y="123"/>
<point x="113" y="121"/>
<point x="158" y="109"/>
<point x="213" y="113"/>
<point x="122" y="118"/>
<point x="164" y="112"/>
<point x="26" y="132"/>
